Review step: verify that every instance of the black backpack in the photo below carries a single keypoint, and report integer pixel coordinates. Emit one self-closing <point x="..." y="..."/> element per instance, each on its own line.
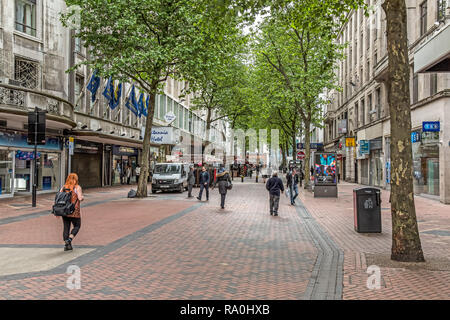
<point x="63" y="203"/>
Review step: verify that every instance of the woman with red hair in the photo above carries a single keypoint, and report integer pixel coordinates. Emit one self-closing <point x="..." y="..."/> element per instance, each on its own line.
<point x="75" y="218"/>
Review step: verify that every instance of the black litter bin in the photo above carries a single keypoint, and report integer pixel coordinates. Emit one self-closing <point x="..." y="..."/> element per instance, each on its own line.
<point x="367" y="209"/>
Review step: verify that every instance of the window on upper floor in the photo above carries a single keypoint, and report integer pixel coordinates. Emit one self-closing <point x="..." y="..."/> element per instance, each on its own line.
<point x="77" y="45"/>
<point x="363" y="113"/>
<point x="415" y="97"/>
<point x="26" y="16"/>
<point x="423" y="17"/>
<point x="433" y="83"/>
<point x="26" y="72"/>
<point x="441" y="8"/>
<point x="378" y="103"/>
<point x="79" y="83"/>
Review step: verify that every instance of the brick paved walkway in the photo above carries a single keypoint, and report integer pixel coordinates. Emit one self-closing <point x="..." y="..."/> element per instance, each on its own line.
<point x="179" y="249"/>
<point x="171" y="247"/>
<point x="399" y="280"/>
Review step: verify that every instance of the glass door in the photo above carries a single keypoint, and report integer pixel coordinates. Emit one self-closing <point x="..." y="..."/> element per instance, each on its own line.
<point x="433" y="176"/>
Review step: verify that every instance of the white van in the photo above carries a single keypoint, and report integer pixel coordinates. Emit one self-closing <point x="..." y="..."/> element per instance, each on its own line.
<point x="170" y="177"/>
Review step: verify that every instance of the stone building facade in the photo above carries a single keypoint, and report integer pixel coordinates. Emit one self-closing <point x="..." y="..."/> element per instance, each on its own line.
<point x="35" y="52"/>
<point x="357" y="124"/>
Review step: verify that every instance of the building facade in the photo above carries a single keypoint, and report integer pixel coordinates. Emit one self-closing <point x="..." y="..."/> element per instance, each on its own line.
<point x="357" y="123"/>
<point x="35" y="52"/>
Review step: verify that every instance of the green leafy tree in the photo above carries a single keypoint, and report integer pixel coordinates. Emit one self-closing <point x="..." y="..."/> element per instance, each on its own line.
<point x="146" y="41"/>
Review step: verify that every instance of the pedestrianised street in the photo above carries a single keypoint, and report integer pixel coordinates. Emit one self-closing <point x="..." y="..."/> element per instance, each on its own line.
<point x="170" y="247"/>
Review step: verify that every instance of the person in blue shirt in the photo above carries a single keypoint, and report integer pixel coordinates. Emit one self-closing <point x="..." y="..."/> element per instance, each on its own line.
<point x="204" y="184"/>
<point x="274" y="185"/>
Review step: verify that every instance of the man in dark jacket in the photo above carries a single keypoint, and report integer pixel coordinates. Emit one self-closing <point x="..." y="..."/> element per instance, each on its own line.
<point x="292" y="183"/>
<point x="222" y="179"/>
<point x="274" y="185"/>
<point x="204" y="184"/>
<point x="191" y="181"/>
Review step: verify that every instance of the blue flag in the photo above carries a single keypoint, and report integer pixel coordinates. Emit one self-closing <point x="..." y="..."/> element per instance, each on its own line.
<point x="141" y="105"/>
<point x="147" y="105"/>
<point x="115" y="101"/>
<point x="108" y="93"/>
<point x="131" y="102"/>
<point x="93" y="85"/>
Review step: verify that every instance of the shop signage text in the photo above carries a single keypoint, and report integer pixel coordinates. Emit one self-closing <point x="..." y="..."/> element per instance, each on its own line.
<point x="415" y="136"/>
<point x="431" y="126"/>
<point x="350" y="142"/>
<point x="363" y="147"/>
<point x="311" y="145"/>
<point x="162" y="135"/>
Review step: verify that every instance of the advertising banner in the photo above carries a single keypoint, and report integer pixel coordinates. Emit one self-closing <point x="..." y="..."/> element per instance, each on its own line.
<point x="325" y="168"/>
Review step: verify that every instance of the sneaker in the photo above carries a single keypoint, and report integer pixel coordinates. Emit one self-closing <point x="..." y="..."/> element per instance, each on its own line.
<point x="199" y="199"/>
<point x="68" y="245"/>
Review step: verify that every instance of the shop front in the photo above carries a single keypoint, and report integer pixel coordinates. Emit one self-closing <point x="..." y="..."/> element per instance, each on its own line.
<point x="376" y="162"/>
<point x="87" y="163"/>
<point x="123" y="157"/>
<point x="425" y="146"/>
<point x="17" y="165"/>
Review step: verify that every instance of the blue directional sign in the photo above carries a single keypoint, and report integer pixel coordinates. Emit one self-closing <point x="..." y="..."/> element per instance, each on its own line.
<point x="431" y="126"/>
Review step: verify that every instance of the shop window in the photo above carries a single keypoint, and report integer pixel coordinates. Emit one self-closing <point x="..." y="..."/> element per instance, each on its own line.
<point x="26" y="72"/>
<point x="26" y="16"/>
<point x="6" y="169"/>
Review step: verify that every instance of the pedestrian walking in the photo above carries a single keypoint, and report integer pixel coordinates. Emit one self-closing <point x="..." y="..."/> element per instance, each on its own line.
<point x="224" y="182"/>
<point x="204" y="184"/>
<point x="128" y="173"/>
<point x="274" y="185"/>
<point x="191" y="181"/>
<point x="75" y="218"/>
<point x="301" y="176"/>
<point x="138" y="173"/>
<point x="292" y="183"/>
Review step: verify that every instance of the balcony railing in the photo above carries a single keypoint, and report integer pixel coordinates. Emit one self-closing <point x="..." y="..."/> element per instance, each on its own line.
<point x="23" y="99"/>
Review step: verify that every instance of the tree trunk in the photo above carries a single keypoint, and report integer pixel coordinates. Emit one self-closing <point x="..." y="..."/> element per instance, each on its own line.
<point x="307" y="146"/>
<point x="294" y="142"/>
<point x="406" y="244"/>
<point x="143" y="177"/>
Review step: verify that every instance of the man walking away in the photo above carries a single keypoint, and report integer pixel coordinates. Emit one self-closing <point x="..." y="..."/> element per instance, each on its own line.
<point x="191" y="181"/>
<point x="204" y="184"/>
<point x="138" y="172"/>
<point x="223" y="179"/>
<point x="274" y="185"/>
<point x="292" y="183"/>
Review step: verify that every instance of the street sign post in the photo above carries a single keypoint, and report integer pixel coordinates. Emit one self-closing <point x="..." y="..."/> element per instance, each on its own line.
<point x="300" y="155"/>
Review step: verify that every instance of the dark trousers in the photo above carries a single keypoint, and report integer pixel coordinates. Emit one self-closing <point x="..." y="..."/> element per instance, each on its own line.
<point x="222" y="199"/>
<point x="274" y="203"/>
<point x="190" y="190"/>
<point x="202" y="186"/>
<point x="76" y="227"/>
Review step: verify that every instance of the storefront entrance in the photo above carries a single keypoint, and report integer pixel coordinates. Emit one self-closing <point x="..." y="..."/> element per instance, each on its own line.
<point x="426" y="163"/>
<point x="87" y="163"/>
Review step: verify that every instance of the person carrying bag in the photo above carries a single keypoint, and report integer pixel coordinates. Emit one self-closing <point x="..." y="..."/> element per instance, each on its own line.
<point x="224" y="181"/>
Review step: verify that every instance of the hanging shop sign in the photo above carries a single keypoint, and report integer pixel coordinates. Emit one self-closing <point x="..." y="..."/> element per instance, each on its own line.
<point x="415" y="136"/>
<point x="364" y="147"/>
<point x="375" y="144"/>
<point x="350" y="142"/>
<point x="431" y="126"/>
<point x="169" y="117"/>
<point x="124" y="151"/>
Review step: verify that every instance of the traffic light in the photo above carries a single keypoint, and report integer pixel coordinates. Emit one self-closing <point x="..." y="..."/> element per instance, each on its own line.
<point x="36" y="122"/>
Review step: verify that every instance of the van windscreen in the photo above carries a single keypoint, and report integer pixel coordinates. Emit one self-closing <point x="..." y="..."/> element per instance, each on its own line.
<point x="167" y="168"/>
